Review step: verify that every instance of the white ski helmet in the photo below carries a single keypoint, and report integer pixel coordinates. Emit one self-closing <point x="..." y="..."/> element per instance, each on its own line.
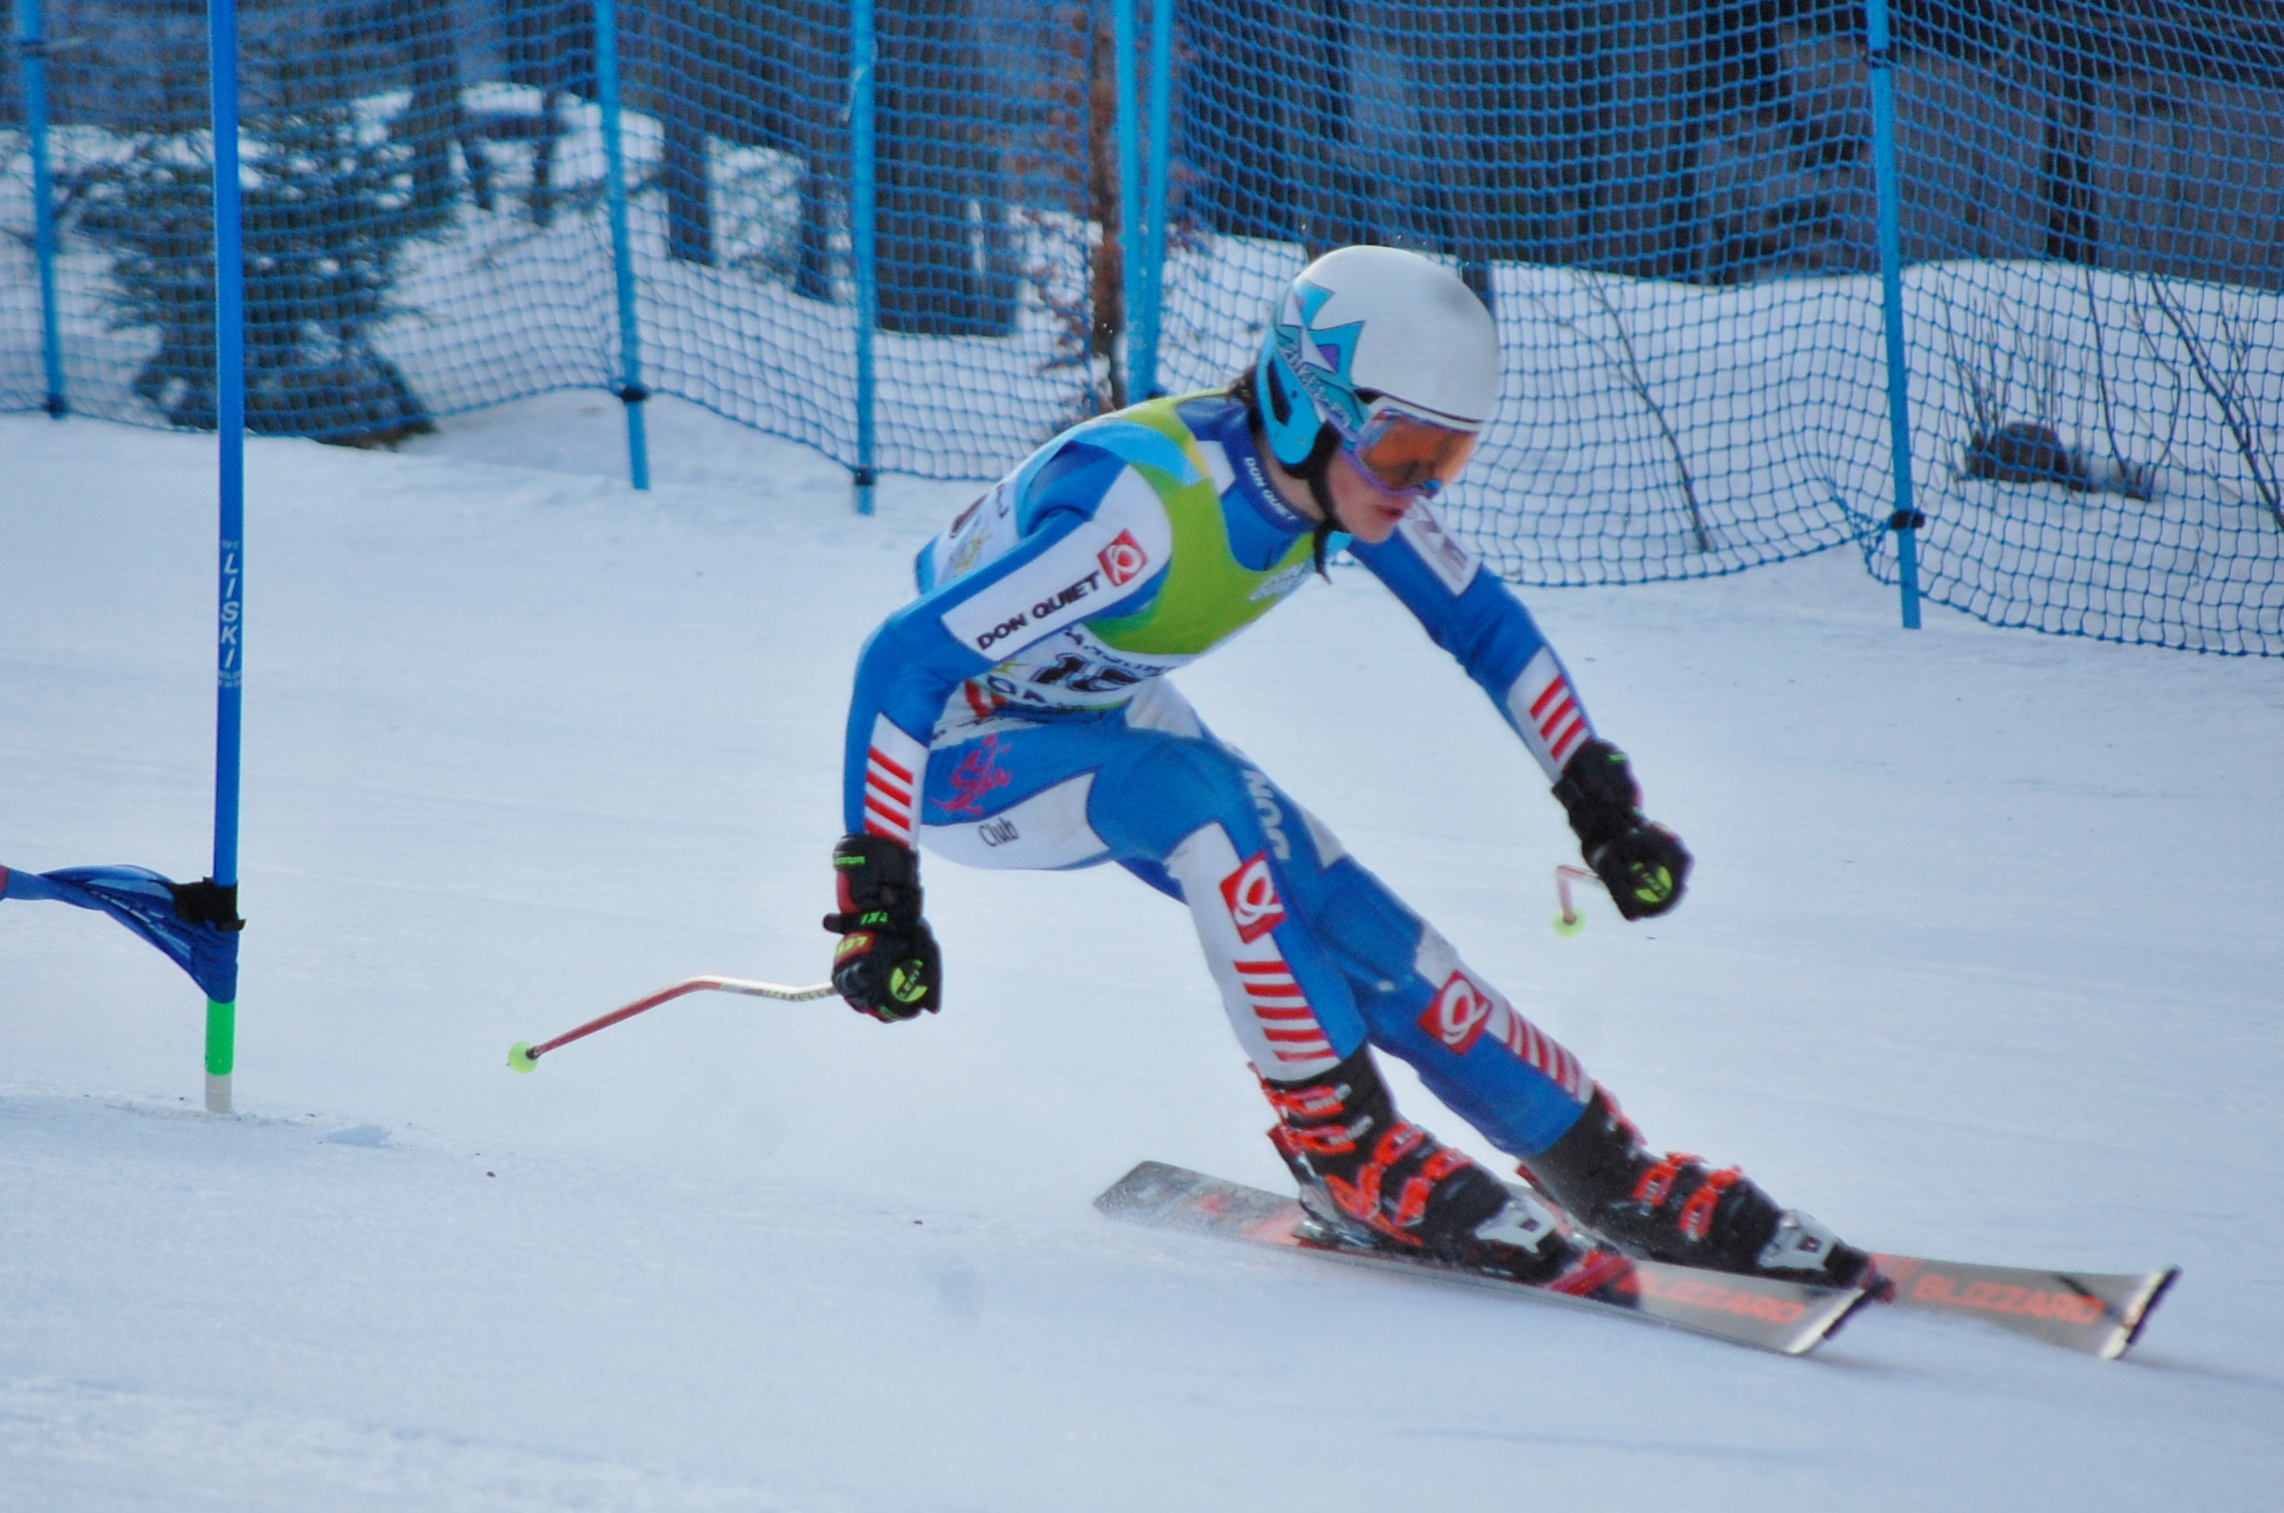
<point x="1368" y="335"/>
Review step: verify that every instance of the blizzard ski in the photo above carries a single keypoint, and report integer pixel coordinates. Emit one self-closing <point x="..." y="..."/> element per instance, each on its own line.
<point x="1791" y="1318"/>
<point x="2099" y="1313"/>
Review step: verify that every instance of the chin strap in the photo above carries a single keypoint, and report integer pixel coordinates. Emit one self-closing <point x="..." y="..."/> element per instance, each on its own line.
<point x="1322" y="535"/>
<point x="1311" y="471"/>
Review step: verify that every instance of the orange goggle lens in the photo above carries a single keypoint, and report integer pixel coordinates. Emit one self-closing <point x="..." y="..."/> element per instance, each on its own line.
<point x="1405" y="452"/>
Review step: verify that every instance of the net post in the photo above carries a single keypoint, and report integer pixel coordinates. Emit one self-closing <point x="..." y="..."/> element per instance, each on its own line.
<point x="631" y="392"/>
<point x="863" y="241"/>
<point x="1906" y="519"/>
<point x="31" y="43"/>
<point x="1160" y="132"/>
<point x="230" y="443"/>
<point x="1133" y="216"/>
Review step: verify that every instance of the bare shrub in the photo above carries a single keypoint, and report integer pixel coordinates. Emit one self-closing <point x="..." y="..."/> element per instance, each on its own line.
<point x="2225" y="363"/>
<point x="1618" y="351"/>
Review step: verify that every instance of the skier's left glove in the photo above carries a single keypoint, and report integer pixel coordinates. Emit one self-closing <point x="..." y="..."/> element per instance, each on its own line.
<point x="887" y="964"/>
<point x="1643" y="865"/>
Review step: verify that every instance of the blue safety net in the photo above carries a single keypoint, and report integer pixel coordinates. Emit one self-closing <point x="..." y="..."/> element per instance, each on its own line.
<point x="2093" y="215"/>
<point x="1673" y="210"/>
<point x="427" y="232"/>
<point x="1671" y="205"/>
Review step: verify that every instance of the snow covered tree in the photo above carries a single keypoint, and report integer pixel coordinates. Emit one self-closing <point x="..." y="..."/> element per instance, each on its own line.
<point x="330" y="204"/>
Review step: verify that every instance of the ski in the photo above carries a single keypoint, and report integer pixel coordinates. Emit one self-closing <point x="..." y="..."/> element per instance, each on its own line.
<point x="2099" y="1313"/>
<point x="1790" y="1318"/>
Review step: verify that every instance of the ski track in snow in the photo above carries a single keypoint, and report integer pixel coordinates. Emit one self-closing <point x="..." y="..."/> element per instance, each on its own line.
<point x="1980" y="960"/>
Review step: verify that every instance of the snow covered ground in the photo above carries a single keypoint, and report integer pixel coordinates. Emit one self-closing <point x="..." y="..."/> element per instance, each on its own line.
<point x="1981" y="961"/>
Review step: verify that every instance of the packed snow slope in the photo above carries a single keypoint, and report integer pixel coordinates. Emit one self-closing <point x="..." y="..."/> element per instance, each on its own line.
<point x="1981" y="961"/>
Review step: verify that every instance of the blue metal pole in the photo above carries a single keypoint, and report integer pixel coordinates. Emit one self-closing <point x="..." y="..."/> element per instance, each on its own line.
<point x="631" y="392"/>
<point x="230" y="440"/>
<point x="1148" y="330"/>
<point x="1133" y="235"/>
<point x="32" y="41"/>
<point x="1906" y="520"/>
<point x="863" y="240"/>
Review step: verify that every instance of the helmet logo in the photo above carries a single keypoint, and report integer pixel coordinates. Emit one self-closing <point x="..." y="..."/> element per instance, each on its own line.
<point x="1321" y="359"/>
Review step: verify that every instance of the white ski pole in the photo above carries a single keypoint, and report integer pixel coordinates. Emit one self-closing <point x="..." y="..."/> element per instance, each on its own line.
<point x="524" y="1056"/>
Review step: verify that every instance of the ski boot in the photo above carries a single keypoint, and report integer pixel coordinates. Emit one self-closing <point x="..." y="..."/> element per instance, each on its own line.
<point x="1373" y="1181"/>
<point x="1677" y="1208"/>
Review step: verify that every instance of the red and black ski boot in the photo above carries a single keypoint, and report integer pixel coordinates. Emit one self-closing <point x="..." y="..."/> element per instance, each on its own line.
<point x="1678" y="1208"/>
<point x="1371" y="1179"/>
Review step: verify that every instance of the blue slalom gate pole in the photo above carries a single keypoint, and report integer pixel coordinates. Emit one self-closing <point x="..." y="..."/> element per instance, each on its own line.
<point x="1161" y="109"/>
<point x="863" y="248"/>
<point x="631" y="392"/>
<point x="1906" y="520"/>
<point x="31" y="41"/>
<point x="1133" y="218"/>
<point x="230" y="441"/>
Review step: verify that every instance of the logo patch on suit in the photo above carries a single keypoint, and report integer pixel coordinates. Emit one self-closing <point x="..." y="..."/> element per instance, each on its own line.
<point x="1123" y="560"/>
<point x="973" y="780"/>
<point x="1251" y="894"/>
<point x="1458" y="1014"/>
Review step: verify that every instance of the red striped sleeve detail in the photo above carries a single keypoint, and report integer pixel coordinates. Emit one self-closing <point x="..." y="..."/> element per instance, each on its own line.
<point x="1552" y="720"/>
<point x="1559" y="746"/>
<point x="887" y="807"/>
<point x="880" y="782"/>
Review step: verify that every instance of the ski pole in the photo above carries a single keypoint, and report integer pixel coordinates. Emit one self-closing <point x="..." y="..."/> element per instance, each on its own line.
<point x="524" y="1056"/>
<point x="1569" y="921"/>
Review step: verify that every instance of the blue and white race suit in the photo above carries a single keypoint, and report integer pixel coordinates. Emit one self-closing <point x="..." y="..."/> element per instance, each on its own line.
<point x="1017" y="714"/>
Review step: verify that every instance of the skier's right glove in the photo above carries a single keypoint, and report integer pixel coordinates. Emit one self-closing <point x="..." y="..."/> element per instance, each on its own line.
<point x="1643" y="865"/>
<point x="886" y="964"/>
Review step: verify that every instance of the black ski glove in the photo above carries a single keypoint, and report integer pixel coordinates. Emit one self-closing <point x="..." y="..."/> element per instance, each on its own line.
<point x="1643" y="865"/>
<point x="886" y="964"/>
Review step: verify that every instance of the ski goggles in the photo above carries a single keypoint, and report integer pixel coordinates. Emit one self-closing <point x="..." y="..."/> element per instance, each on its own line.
<point x="1402" y="451"/>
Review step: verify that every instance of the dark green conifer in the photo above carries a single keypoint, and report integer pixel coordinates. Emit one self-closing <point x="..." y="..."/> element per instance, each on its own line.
<point x="330" y="206"/>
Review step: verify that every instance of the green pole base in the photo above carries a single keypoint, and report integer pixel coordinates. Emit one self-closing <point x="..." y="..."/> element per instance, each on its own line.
<point x="1569" y="924"/>
<point x="520" y="1057"/>
<point x="221" y="1054"/>
<point x="221" y="1038"/>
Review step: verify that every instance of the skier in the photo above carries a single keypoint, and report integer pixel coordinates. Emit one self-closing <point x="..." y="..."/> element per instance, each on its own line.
<point x="1017" y="714"/>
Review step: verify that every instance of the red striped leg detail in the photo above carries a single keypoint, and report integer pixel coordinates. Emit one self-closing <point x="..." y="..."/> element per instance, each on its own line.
<point x="1534" y="1046"/>
<point x="1234" y="903"/>
<point x="1282" y="1010"/>
<point x="1466" y="1009"/>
